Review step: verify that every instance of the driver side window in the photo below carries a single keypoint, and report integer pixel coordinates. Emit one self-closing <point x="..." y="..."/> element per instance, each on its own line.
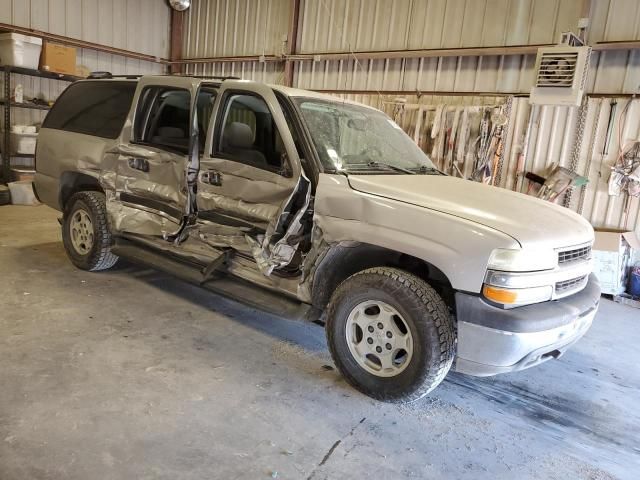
<point x="249" y="134"/>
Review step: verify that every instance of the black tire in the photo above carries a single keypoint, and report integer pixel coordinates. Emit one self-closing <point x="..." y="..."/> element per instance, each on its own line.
<point x="5" y="195"/>
<point x="424" y="312"/>
<point x="99" y="257"/>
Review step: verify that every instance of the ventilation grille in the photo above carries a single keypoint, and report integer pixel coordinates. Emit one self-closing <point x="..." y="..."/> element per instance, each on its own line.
<point x="569" y="285"/>
<point x="583" y="253"/>
<point x="557" y="69"/>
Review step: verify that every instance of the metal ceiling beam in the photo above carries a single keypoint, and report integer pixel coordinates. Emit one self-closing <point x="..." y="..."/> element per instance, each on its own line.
<point x="292" y="41"/>
<point x="402" y="54"/>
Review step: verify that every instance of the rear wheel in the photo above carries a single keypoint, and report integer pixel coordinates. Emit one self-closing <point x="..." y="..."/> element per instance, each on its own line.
<point x="85" y="232"/>
<point x="390" y="334"/>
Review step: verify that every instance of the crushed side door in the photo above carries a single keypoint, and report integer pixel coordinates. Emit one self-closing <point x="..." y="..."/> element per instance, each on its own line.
<point x="157" y="160"/>
<point x="252" y="193"/>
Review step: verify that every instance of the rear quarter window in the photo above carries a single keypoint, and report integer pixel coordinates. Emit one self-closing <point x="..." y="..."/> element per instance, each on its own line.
<point x="92" y="108"/>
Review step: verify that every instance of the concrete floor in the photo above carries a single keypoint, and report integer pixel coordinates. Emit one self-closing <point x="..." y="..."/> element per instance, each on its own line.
<point x="131" y="374"/>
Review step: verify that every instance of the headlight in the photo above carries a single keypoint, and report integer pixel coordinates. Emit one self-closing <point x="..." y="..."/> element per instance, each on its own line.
<point x="522" y="260"/>
<point x="513" y="289"/>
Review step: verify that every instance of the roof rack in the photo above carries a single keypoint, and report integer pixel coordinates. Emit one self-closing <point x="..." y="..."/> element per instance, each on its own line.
<point x="103" y="75"/>
<point x="213" y="77"/>
<point x="106" y="75"/>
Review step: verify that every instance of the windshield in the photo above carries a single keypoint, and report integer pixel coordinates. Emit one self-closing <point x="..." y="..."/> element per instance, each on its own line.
<point x="353" y="138"/>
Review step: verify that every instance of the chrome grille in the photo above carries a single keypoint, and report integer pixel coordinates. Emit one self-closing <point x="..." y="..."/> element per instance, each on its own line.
<point x="582" y="253"/>
<point x="568" y="285"/>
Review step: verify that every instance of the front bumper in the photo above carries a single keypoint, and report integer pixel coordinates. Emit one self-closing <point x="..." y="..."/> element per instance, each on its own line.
<point x="492" y="340"/>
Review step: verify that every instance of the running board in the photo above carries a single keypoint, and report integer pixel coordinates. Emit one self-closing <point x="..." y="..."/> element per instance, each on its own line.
<point x="227" y="285"/>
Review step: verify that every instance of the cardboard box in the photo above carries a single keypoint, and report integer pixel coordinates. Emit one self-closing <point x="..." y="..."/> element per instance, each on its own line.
<point x="22" y="174"/>
<point x="58" y="58"/>
<point x="612" y="258"/>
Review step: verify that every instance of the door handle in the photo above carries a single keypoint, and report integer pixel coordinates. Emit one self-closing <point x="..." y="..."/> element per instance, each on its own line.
<point x="211" y="177"/>
<point x="136" y="163"/>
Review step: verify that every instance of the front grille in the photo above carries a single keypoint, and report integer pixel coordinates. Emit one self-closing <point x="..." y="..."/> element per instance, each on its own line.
<point x="582" y="253"/>
<point x="568" y="285"/>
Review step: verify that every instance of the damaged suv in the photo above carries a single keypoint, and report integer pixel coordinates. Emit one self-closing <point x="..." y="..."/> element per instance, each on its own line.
<point x="317" y="207"/>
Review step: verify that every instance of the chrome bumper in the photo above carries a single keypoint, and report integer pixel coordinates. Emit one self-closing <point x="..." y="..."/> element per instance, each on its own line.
<point x="492" y="340"/>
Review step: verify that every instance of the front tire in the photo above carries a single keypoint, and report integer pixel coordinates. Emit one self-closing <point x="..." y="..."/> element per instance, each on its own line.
<point x="390" y="334"/>
<point x="85" y="232"/>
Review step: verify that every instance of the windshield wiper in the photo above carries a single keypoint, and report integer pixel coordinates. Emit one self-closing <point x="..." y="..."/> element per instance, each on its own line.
<point x="427" y="170"/>
<point x="374" y="164"/>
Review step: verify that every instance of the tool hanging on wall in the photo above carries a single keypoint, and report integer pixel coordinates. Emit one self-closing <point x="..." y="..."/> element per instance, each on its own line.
<point x="555" y="184"/>
<point x="504" y="132"/>
<point x="499" y="121"/>
<point x="463" y="138"/>
<point x="625" y="174"/>
<point x="481" y="145"/>
<point x="607" y="137"/>
<point x="457" y="135"/>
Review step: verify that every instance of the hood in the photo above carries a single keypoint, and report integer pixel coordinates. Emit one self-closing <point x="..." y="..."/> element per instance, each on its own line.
<point x="532" y="222"/>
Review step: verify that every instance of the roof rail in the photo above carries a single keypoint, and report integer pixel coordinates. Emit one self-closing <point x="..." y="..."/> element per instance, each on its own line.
<point x="212" y="77"/>
<point x="103" y="75"/>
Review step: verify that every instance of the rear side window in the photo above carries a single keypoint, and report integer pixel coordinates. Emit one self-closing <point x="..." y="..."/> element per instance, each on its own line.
<point x="92" y="108"/>
<point x="162" y="118"/>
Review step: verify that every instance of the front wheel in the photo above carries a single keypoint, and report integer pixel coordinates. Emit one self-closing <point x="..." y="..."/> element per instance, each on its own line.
<point x="390" y="334"/>
<point x="85" y="232"/>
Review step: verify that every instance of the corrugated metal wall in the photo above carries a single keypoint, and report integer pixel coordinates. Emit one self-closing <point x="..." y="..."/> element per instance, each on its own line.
<point x="226" y="28"/>
<point x="140" y="26"/>
<point x="222" y="28"/>
<point x="253" y="27"/>
<point x="259" y="27"/>
<point x="137" y="25"/>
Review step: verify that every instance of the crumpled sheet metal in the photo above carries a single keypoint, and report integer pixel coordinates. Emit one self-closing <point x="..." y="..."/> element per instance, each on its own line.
<point x="267" y="256"/>
<point x="258" y="212"/>
<point x="218" y="240"/>
<point x="258" y="199"/>
<point x="313" y="258"/>
<point x="159" y="183"/>
<point x="123" y="218"/>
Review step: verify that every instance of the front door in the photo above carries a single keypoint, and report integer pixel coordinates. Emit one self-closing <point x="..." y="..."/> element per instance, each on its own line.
<point x="153" y="157"/>
<point x="250" y="184"/>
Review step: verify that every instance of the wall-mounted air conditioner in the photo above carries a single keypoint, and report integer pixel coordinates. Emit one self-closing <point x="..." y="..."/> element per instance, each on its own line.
<point x="561" y="75"/>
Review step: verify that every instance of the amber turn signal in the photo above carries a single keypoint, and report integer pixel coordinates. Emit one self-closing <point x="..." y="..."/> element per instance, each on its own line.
<point x="500" y="295"/>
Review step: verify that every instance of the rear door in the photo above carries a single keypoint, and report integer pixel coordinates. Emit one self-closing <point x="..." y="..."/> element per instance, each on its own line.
<point x="250" y="184"/>
<point x="152" y="161"/>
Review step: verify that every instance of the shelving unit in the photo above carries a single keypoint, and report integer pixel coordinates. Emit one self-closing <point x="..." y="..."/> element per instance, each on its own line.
<point x="8" y="105"/>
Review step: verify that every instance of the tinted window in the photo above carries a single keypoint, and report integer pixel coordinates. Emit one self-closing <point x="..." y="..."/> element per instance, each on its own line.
<point x="249" y="134"/>
<point x="92" y="108"/>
